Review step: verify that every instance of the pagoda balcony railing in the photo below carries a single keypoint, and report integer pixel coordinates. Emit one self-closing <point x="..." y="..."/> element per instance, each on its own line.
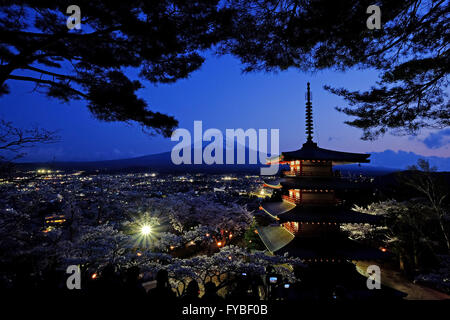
<point x="289" y="173"/>
<point x="295" y="200"/>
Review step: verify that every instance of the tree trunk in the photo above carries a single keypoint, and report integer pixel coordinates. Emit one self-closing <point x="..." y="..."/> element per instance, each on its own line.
<point x="401" y="263"/>
<point x="415" y="258"/>
<point x="441" y="224"/>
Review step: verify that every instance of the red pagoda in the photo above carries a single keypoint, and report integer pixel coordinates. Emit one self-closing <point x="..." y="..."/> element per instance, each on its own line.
<point x="306" y="212"/>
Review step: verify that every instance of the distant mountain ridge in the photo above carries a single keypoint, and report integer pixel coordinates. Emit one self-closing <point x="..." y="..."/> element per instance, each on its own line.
<point x="403" y="159"/>
<point x="381" y="162"/>
<point x="160" y="162"/>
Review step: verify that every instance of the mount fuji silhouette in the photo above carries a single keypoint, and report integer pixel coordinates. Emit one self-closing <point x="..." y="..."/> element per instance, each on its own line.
<point x="161" y="162"/>
<point x="381" y="163"/>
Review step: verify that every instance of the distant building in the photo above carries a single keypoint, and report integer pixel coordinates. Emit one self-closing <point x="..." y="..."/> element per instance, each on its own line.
<point x="55" y="219"/>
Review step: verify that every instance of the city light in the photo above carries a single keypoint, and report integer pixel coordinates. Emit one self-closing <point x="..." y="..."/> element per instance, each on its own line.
<point x="146" y="230"/>
<point x="43" y="171"/>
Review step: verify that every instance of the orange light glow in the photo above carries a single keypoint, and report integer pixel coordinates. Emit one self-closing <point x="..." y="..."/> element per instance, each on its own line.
<point x="94" y="276"/>
<point x="139" y="254"/>
<point x="219" y="244"/>
<point x="172" y="247"/>
<point x="383" y="249"/>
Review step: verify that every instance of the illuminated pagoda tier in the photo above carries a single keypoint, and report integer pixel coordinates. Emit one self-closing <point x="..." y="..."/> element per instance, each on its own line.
<point x="306" y="211"/>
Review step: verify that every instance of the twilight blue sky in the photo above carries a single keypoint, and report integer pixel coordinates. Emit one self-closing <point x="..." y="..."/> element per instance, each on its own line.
<point x="222" y="97"/>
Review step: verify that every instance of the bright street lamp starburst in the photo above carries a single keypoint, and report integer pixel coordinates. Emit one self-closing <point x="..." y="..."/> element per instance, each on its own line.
<point x="146" y="230"/>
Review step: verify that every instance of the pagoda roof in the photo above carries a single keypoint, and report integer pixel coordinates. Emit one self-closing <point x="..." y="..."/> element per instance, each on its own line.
<point x="279" y="240"/>
<point x="338" y="248"/>
<point x="314" y="183"/>
<point x="310" y="151"/>
<point x="274" y="237"/>
<point x="276" y="208"/>
<point x="284" y="211"/>
<point x="273" y="184"/>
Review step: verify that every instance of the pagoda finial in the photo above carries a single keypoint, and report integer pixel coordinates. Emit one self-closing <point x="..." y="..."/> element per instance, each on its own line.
<point x="309" y="118"/>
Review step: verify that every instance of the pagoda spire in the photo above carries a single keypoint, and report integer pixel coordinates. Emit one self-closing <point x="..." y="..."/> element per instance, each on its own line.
<point x="309" y="116"/>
